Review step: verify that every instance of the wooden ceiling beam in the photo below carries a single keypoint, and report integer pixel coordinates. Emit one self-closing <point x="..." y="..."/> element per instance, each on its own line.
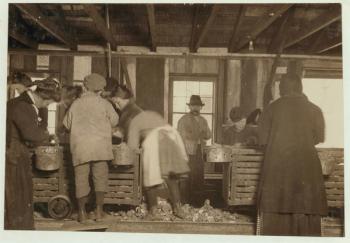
<point x="100" y="24"/>
<point x="34" y="12"/>
<point x="152" y="26"/>
<point x="263" y="23"/>
<point x="326" y="46"/>
<point x="277" y="42"/>
<point x="199" y="37"/>
<point x="330" y="16"/>
<point x="238" y="22"/>
<point x="20" y="37"/>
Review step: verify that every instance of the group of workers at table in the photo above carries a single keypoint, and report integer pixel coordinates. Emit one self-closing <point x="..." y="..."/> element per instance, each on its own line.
<point x="291" y="195"/>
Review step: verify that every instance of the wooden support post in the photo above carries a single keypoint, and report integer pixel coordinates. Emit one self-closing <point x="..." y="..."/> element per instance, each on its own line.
<point x="100" y="23"/>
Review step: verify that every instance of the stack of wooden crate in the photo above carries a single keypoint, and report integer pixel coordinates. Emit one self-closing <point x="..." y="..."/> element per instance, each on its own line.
<point x="241" y="176"/>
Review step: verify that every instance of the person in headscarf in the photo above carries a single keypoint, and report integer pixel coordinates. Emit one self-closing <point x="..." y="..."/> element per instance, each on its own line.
<point x="19" y="82"/>
<point x="291" y="196"/>
<point x="22" y="131"/>
<point x="90" y="120"/>
<point x="195" y="131"/>
<point x="243" y="130"/>
<point x="163" y="153"/>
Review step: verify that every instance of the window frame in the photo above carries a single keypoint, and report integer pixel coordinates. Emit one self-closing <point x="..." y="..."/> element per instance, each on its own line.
<point x="196" y="78"/>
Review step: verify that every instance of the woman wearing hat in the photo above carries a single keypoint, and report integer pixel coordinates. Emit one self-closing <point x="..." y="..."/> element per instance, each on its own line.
<point x="164" y="157"/>
<point x="22" y="128"/>
<point x="90" y="120"/>
<point x="243" y="130"/>
<point x="195" y="131"/>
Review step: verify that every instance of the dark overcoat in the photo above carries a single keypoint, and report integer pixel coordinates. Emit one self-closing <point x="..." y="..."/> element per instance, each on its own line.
<point x="22" y="129"/>
<point x="291" y="180"/>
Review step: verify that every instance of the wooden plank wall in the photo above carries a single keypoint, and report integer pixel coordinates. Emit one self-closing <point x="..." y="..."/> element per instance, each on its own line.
<point x="150" y="83"/>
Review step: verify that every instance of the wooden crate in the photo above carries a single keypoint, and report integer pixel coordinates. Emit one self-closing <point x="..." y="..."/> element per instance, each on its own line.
<point x="241" y="177"/>
<point x="124" y="185"/>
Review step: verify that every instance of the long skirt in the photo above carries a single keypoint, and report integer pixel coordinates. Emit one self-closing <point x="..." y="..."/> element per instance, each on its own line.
<point x="289" y="224"/>
<point x="18" y="191"/>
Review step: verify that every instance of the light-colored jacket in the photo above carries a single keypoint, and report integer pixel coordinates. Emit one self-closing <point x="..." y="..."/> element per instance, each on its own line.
<point x="194" y="131"/>
<point x="90" y="120"/>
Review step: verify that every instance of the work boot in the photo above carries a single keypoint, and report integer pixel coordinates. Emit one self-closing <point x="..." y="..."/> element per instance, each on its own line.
<point x="82" y="216"/>
<point x="178" y="211"/>
<point x="175" y="197"/>
<point x="99" y="214"/>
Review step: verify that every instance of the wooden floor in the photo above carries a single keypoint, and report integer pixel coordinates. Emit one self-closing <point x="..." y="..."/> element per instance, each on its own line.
<point x="329" y="228"/>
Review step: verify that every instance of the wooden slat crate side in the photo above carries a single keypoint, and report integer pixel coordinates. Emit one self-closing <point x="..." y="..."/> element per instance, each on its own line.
<point x="331" y="184"/>
<point x="120" y="176"/>
<point x="41" y="187"/>
<point x="335" y="191"/>
<point x="246" y="194"/>
<point x="335" y="204"/>
<point x="246" y="189"/>
<point x="226" y="181"/>
<point x="45" y="193"/>
<point x="37" y="180"/>
<point x="246" y="151"/>
<point x="335" y="197"/>
<point x="247" y="177"/>
<point x="113" y="182"/>
<point x="121" y="188"/>
<point x="120" y="195"/>
<point x="232" y="176"/>
<point x="37" y="199"/>
<point x="247" y="182"/>
<point x="245" y="158"/>
<point x="125" y="201"/>
<point x="244" y="201"/>
<point x="248" y="164"/>
<point x="248" y="171"/>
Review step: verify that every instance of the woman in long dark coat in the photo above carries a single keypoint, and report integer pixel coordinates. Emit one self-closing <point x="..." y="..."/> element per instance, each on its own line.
<point x="292" y="196"/>
<point x="23" y="131"/>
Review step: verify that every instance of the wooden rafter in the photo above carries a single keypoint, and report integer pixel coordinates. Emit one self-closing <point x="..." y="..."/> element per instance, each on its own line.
<point x="152" y="26"/>
<point x="34" y="12"/>
<point x="323" y="47"/>
<point x="195" y="26"/>
<point x="277" y="43"/>
<point x="329" y="17"/>
<point x="20" y="37"/>
<point x="100" y="23"/>
<point x="238" y="22"/>
<point x="263" y="23"/>
<point x="199" y="37"/>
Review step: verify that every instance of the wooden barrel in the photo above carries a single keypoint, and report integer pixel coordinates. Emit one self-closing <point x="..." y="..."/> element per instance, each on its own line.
<point x="123" y="155"/>
<point x="48" y="158"/>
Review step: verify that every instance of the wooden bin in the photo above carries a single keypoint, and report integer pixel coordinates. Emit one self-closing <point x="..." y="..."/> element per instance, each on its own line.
<point x="241" y="177"/>
<point x="124" y="184"/>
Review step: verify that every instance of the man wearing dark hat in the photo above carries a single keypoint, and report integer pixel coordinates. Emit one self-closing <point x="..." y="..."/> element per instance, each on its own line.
<point x="23" y="130"/>
<point x="194" y="131"/>
<point x="291" y="196"/>
<point x="90" y="120"/>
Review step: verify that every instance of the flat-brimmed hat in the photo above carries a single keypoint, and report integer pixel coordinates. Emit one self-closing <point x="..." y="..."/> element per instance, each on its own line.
<point x="48" y="89"/>
<point x="196" y="100"/>
<point x="95" y="82"/>
<point x="236" y="114"/>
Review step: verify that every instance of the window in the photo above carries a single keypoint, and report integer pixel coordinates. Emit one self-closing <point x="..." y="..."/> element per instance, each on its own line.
<point x="182" y="91"/>
<point x="328" y="95"/>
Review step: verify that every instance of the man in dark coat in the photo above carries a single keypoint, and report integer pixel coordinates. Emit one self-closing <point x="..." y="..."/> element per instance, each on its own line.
<point x="291" y="196"/>
<point x="22" y="130"/>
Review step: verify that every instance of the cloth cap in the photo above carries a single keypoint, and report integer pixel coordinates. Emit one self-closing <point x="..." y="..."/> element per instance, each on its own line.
<point x="196" y="100"/>
<point x="95" y="82"/>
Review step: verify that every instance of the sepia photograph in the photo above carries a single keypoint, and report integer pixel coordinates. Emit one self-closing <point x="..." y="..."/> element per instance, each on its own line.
<point x="184" y="118"/>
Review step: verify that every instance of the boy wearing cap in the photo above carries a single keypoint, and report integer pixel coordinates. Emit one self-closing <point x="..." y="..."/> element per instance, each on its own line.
<point x="194" y="131"/>
<point x="90" y="120"/>
<point x="22" y="131"/>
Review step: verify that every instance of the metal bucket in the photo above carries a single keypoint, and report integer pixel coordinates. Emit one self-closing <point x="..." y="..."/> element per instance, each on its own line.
<point x="123" y="155"/>
<point x="218" y="154"/>
<point x="48" y="158"/>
